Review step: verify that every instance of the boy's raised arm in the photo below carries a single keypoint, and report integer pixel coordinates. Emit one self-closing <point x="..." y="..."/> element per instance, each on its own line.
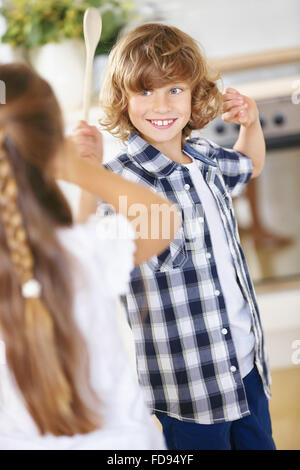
<point x="242" y="110"/>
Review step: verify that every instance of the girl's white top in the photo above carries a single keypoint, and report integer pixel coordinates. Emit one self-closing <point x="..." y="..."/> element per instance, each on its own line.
<point x="103" y="252"/>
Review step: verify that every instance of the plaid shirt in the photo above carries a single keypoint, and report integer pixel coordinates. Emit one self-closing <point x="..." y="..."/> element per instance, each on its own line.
<point x="186" y="366"/>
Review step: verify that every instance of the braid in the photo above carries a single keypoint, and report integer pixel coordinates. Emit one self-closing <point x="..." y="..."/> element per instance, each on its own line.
<point x="16" y="236"/>
<point x="36" y="315"/>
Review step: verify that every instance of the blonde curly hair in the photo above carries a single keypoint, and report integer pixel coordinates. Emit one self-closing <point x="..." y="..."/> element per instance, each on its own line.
<point x="151" y="56"/>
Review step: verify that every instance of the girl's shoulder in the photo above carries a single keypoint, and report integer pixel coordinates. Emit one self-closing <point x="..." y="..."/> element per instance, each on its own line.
<point x="104" y="244"/>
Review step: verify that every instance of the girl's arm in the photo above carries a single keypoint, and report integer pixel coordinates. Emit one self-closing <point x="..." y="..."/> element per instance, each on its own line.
<point x="88" y="204"/>
<point x="155" y="220"/>
<point x="89" y="143"/>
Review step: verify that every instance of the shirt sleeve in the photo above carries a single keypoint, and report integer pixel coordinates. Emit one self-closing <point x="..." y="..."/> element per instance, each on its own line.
<point x="236" y="169"/>
<point x="115" y="246"/>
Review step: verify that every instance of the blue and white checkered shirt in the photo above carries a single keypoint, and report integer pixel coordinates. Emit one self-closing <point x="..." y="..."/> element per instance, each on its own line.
<point x="186" y="366"/>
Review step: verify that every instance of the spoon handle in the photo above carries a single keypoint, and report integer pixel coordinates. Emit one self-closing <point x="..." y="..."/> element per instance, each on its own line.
<point x="87" y="85"/>
<point x="92" y="25"/>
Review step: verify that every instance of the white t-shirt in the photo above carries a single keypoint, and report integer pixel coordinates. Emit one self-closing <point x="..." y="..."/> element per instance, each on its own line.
<point x="103" y="255"/>
<point x="239" y="314"/>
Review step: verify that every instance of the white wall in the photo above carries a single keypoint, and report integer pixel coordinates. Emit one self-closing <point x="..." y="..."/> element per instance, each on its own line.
<point x="225" y="27"/>
<point x="229" y="27"/>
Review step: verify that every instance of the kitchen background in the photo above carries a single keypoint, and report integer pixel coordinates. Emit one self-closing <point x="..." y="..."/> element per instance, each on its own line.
<point x="256" y="47"/>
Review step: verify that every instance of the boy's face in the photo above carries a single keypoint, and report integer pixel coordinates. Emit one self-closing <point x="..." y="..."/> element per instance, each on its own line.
<point x="160" y="114"/>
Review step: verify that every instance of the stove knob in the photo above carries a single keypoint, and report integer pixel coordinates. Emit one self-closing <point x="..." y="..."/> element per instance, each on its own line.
<point x="220" y="128"/>
<point x="279" y="119"/>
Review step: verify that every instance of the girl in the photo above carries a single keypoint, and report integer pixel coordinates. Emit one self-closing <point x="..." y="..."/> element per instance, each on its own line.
<point x="65" y="382"/>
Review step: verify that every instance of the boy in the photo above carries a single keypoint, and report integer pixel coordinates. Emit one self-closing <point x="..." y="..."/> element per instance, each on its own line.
<point x="200" y="349"/>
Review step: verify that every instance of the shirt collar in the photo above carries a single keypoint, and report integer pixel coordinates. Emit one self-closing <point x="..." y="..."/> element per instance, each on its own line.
<point x="153" y="161"/>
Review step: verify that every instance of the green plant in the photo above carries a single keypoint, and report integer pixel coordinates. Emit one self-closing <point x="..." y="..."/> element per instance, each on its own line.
<point x="32" y="23"/>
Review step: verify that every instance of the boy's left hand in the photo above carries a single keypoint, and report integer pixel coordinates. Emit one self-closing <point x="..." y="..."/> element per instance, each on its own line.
<point x="239" y="109"/>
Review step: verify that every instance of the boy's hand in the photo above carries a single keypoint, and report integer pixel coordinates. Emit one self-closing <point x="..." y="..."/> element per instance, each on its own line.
<point x="239" y="109"/>
<point x="88" y="141"/>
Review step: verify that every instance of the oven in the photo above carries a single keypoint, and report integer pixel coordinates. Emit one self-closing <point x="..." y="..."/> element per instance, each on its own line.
<point x="268" y="212"/>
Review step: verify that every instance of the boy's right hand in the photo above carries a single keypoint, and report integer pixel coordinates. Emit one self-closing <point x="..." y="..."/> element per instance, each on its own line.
<point x="88" y="141"/>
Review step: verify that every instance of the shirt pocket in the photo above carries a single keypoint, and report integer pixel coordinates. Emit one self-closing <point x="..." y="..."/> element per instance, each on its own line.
<point x="174" y="257"/>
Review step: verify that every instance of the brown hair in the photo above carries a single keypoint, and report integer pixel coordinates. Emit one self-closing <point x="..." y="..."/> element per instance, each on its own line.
<point x="44" y="348"/>
<point x="151" y="56"/>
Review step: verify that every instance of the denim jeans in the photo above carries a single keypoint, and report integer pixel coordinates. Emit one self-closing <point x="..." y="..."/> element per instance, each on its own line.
<point x="253" y="432"/>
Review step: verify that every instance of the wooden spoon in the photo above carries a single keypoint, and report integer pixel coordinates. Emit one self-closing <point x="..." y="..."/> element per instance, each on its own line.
<point x="92" y="26"/>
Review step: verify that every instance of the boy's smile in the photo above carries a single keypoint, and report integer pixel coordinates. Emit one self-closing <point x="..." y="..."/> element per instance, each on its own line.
<point x="160" y="114"/>
<point x="162" y="124"/>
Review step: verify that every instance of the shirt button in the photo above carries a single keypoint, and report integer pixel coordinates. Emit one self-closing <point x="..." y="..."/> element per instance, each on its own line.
<point x="224" y="331"/>
<point x="201" y="219"/>
<point x="232" y="368"/>
<point x="208" y="255"/>
<point x="187" y="187"/>
<point x="217" y="292"/>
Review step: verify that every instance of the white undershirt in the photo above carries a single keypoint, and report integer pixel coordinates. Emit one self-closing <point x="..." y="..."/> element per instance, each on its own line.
<point x="238" y="310"/>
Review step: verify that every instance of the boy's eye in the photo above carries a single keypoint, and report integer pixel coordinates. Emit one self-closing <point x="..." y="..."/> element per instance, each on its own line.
<point x="146" y="93"/>
<point x="175" y="91"/>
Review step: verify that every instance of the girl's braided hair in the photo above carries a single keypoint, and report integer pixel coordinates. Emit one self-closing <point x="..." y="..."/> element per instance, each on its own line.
<point x="44" y="348"/>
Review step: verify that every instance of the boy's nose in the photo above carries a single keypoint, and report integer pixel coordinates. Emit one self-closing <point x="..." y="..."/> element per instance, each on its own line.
<point x="161" y="104"/>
